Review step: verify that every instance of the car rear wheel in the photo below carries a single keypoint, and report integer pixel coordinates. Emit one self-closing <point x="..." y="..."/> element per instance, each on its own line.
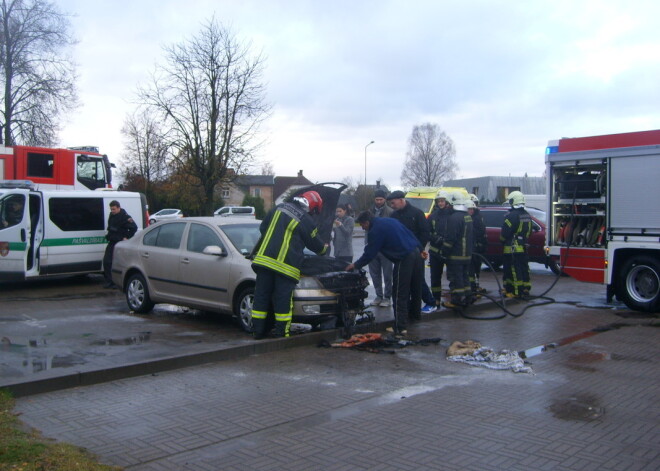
<point x="243" y="309"/>
<point x="639" y="284"/>
<point x="152" y="221"/>
<point x="137" y="294"/>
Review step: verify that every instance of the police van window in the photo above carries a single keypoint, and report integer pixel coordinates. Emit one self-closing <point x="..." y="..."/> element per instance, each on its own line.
<point x="201" y="237"/>
<point x="77" y="214"/>
<point x="40" y="165"/>
<point x="12" y="209"/>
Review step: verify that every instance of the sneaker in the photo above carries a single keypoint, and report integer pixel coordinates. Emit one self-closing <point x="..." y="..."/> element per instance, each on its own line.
<point x="385" y="302"/>
<point x="429" y="308"/>
<point x="377" y="301"/>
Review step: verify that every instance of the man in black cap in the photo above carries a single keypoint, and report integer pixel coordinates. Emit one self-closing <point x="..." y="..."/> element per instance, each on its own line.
<point x="380" y="268"/>
<point x="415" y="220"/>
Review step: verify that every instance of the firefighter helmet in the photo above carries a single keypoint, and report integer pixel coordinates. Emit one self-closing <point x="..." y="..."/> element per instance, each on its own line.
<point x="475" y="199"/>
<point x="442" y="194"/>
<point x="311" y="200"/>
<point x="458" y="199"/>
<point x="469" y="203"/>
<point x="516" y="199"/>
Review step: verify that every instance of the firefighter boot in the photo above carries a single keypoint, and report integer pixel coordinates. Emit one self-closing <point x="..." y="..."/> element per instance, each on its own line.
<point x="258" y="328"/>
<point x="282" y="329"/>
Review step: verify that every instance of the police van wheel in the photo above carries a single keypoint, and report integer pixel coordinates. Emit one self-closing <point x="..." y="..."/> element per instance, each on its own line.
<point x="639" y="284"/>
<point x="137" y="294"/>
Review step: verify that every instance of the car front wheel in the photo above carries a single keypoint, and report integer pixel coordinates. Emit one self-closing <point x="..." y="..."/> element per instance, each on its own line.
<point x="243" y="309"/>
<point x="137" y="294"/>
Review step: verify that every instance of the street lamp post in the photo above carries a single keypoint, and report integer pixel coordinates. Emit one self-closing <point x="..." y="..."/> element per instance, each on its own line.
<point x="365" y="174"/>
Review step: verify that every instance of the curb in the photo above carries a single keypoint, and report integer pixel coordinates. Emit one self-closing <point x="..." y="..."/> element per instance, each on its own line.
<point x="88" y="378"/>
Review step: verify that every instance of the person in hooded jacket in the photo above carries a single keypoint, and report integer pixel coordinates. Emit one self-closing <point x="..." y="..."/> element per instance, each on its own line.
<point x="120" y="227"/>
<point x="285" y="232"/>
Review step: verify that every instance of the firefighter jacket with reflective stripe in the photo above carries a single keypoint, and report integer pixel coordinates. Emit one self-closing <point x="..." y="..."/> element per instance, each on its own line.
<point x="516" y="229"/>
<point x="285" y="232"/>
<point x="438" y="222"/>
<point x="458" y="243"/>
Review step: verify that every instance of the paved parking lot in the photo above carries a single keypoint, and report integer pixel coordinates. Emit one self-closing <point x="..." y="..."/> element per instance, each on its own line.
<point x="589" y="404"/>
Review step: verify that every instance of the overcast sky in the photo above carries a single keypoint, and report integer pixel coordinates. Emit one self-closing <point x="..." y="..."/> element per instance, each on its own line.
<point x="500" y="77"/>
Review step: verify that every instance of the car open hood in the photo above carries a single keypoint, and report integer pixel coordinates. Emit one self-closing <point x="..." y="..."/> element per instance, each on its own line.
<point x="329" y="192"/>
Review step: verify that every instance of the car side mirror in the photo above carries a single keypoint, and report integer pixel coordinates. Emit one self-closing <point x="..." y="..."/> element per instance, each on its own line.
<point x="214" y="250"/>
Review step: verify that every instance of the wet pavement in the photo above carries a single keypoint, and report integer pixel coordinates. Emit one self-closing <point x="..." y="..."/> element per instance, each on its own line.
<point x="589" y="404"/>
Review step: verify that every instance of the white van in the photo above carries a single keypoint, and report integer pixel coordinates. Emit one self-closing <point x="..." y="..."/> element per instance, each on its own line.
<point x="57" y="232"/>
<point x="235" y="211"/>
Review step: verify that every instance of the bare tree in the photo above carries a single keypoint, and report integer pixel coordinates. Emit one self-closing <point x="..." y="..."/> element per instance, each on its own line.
<point x="146" y="148"/>
<point x="430" y="160"/>
<point x="267" y="168"/>
<point x="210" y="93"/>
<point x="39" y="76"/>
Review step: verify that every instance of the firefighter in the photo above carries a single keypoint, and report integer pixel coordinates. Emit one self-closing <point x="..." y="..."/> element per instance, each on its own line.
<point x="480" y="245"/>
<point x="285" y="232"/>
<point x="516" y="229"/>
<point x="457" y="250"/>
<point x="438" y="223"/>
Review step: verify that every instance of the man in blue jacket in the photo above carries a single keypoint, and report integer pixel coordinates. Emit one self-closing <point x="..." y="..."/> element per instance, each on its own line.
<point x="396" y="242"/>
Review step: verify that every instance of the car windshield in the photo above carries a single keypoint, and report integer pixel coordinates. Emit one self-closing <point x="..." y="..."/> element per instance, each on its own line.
<point x="537" y="213"/>
<point x="164" y="212"/>
<point x="242" y="236"/>
<point x="421" y="203"/>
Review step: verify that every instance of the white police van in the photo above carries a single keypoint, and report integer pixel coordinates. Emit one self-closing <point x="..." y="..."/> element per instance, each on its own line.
<point x="57" y="232"/>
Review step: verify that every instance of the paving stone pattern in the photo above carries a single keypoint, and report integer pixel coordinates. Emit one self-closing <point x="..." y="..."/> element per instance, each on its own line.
<point x="591" y="405"/>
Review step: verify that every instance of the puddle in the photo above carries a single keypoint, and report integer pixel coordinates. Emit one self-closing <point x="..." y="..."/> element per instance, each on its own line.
<point x="582" y="407"/>
<point x="137" y="339"/>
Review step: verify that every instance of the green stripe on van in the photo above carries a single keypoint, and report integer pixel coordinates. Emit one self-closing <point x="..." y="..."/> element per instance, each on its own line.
<point x="20" y="246"/>
<point x="74" y="241"/>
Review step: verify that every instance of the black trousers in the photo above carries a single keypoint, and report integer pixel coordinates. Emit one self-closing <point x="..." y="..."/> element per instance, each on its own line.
<point x="437" y="268"/>
<point x="273" y="292"/>
<point x="407" y="289"/>
<point x="107" y="261"/>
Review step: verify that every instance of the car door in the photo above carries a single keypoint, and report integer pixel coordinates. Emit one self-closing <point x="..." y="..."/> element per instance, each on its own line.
<point x="160" y="254"/>
<point x="203" y="277"/>
<point x="15" y="233"/>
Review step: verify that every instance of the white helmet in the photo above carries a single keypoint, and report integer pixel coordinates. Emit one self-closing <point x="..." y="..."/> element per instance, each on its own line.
<point x="516" y="199"/>
<point x="474" y="198"/>
<point x="470" y="204"/>
<point x="442" y="194"/>
<point x="458" y="199"/>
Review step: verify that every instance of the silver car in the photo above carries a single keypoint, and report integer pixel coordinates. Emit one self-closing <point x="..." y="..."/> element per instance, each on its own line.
<point x="169" y="213"/>
<point x="201" y="263"/>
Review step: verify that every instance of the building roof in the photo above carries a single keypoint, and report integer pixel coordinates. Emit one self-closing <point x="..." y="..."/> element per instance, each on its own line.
<point x="282" y="184"/>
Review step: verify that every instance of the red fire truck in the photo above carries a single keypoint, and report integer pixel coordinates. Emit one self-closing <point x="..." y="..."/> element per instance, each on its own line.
<point x="604" y="213"/>
<point x="76" y="168"/>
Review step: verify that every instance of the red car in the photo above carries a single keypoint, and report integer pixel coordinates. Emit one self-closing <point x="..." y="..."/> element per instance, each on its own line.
<point x="494" y="217"/>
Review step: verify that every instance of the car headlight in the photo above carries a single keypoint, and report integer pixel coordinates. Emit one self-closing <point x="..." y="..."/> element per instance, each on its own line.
<point x="309" y="282"/>
<point x="312" y="309"/>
